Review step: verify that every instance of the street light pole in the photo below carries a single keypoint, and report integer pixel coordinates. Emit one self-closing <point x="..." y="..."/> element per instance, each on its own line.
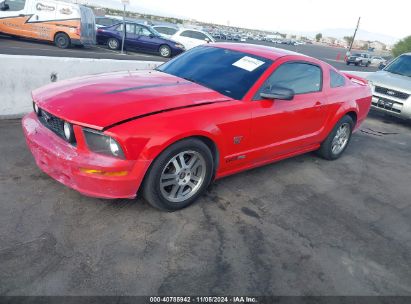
<point x="124" y="28"/>
<point x="355" y="33"/>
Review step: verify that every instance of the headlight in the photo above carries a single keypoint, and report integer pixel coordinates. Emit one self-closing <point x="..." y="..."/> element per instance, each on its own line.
<point x="180" y="46"/>
<point x="100" y="143"/>
<point x="36" y="108"/>
<point x="68" y="132"/>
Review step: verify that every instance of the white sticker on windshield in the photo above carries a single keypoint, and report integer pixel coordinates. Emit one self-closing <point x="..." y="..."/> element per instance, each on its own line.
<point x="248" y="63"/>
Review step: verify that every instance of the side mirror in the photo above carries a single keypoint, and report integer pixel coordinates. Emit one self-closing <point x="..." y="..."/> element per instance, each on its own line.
<point x="381" y="66"/>
<point x="4" y="6"/>
<point x="151" y="35"/>
<point x="278" y="93"/>
<point x="207" y="40"/>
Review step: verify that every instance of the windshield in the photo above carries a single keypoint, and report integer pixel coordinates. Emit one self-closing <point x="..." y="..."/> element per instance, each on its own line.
<point x="228" y="72"/>
<point x="400" y="66"/>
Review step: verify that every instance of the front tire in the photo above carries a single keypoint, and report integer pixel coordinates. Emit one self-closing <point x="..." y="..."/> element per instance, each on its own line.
<point x="62" y="41"/>
<point x="164" y="51"/>
<point x="337" y="141"/>
<point x="179" y="175"/>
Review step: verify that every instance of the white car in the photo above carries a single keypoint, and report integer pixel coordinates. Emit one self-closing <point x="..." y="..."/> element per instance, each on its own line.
<point x="165" y="30"/>
<point x="188" y="37"/>
<point x="378" y="60"/>
<point x="191" y="38"/>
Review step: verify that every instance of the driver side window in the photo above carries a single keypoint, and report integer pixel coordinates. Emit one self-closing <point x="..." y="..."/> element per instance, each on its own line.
<point x="300" y="77"/>
<point x="143" y="31"/>
<point x="12" y="5"/>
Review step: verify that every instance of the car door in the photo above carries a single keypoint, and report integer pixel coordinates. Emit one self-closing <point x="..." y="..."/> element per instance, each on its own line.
<point x="283" y="126"/>
<point x="42" y="11"/>
<point x="13" y="17"/>
<point x="187" y="38"/>
<point x="146" y="40"/>
<point x="131" y="41"/>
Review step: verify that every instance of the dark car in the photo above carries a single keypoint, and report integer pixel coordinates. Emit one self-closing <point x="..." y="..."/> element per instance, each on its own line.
<point x="138" y="37"/>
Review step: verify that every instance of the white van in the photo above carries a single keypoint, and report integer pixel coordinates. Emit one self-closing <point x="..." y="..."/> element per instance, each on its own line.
<point x="60" y="22"/>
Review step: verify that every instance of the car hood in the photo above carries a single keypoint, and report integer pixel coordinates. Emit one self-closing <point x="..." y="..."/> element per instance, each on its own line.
<point x="390" y="80"/>
<point x="100" y="101"/>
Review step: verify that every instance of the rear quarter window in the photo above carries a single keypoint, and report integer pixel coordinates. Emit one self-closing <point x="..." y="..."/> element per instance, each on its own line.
<point x="336" y="80"/>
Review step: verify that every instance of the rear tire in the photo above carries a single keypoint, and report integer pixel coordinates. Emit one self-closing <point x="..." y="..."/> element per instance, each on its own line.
<point x="337" y="141"/>
<point x="62" y="41"/>
<point x="179" y="175"/>
<point x="113" y="44"/>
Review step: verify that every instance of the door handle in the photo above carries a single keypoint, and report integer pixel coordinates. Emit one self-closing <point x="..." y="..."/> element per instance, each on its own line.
<point x="317" y="104"/>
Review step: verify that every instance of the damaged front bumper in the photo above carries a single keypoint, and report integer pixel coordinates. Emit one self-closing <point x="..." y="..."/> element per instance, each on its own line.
<point x="87" y="172"/>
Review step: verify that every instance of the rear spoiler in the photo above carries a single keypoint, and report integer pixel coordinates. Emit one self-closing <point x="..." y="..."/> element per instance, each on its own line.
<point x="356" y="79"/>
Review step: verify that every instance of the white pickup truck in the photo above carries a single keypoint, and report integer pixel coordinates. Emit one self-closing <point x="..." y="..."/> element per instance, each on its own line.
<point x="359" y="59"/>
<point x="391" y="87"/>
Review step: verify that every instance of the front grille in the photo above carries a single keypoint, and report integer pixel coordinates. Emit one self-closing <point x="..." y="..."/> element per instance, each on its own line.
<point x="386" y="104"/>
<point x="392" y="93"/>
<point x="52" y="122"/>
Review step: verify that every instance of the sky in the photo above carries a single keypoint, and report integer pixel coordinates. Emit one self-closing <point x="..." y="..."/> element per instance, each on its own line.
<point x="286" y="16"/>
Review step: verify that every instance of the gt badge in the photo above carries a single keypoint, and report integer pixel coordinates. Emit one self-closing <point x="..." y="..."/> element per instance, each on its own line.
<point x="237" y="139"/>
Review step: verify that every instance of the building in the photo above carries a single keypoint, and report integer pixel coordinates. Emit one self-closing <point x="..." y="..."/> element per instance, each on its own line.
<point x="378" y="46"/>
<point x="360" y="44"/>
<point x="328" y="40"/>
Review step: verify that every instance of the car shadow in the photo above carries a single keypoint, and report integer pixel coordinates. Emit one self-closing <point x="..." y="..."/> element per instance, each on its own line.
<point x="389" y="119"/>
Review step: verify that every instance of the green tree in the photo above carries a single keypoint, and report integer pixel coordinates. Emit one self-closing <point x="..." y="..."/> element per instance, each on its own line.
<point x="402" y="46"/>
<point x="318" y="36"/>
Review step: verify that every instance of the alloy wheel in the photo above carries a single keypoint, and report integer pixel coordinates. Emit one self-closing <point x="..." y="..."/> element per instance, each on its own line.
<point x="341" y="138"/>
<point x="183" y="176"/>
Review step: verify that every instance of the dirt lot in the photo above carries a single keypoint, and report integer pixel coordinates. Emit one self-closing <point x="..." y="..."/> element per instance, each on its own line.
<point x="304" y="226"/>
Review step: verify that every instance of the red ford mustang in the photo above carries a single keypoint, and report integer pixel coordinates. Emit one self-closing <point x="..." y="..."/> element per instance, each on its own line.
<point x="215" y="110"/>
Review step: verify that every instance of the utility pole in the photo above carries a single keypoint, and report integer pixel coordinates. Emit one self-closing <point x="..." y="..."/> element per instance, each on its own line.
<point x="125" y="2"/>
<point x="355" y="33"/>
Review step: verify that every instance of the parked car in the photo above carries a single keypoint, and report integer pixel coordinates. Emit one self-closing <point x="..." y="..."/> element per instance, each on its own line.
<point x="165" y="30"/>
<point x="107" y="21"/>
<point x="377" y="61"/>
<point x="391" y="87"/>
<point x="208" y="113"/>
<point x="64" y="24"/>
<point x="191" y="38"/>
<point x="359" y="59"/>
<point x="138" y="37"/>
<point x="219" y="36"/>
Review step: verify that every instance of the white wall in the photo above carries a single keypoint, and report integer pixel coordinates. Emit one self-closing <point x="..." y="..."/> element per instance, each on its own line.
<point x="19" y="75"/>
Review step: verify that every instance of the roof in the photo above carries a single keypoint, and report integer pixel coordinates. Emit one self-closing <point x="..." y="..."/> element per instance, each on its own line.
<point x="257" y="50"/>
